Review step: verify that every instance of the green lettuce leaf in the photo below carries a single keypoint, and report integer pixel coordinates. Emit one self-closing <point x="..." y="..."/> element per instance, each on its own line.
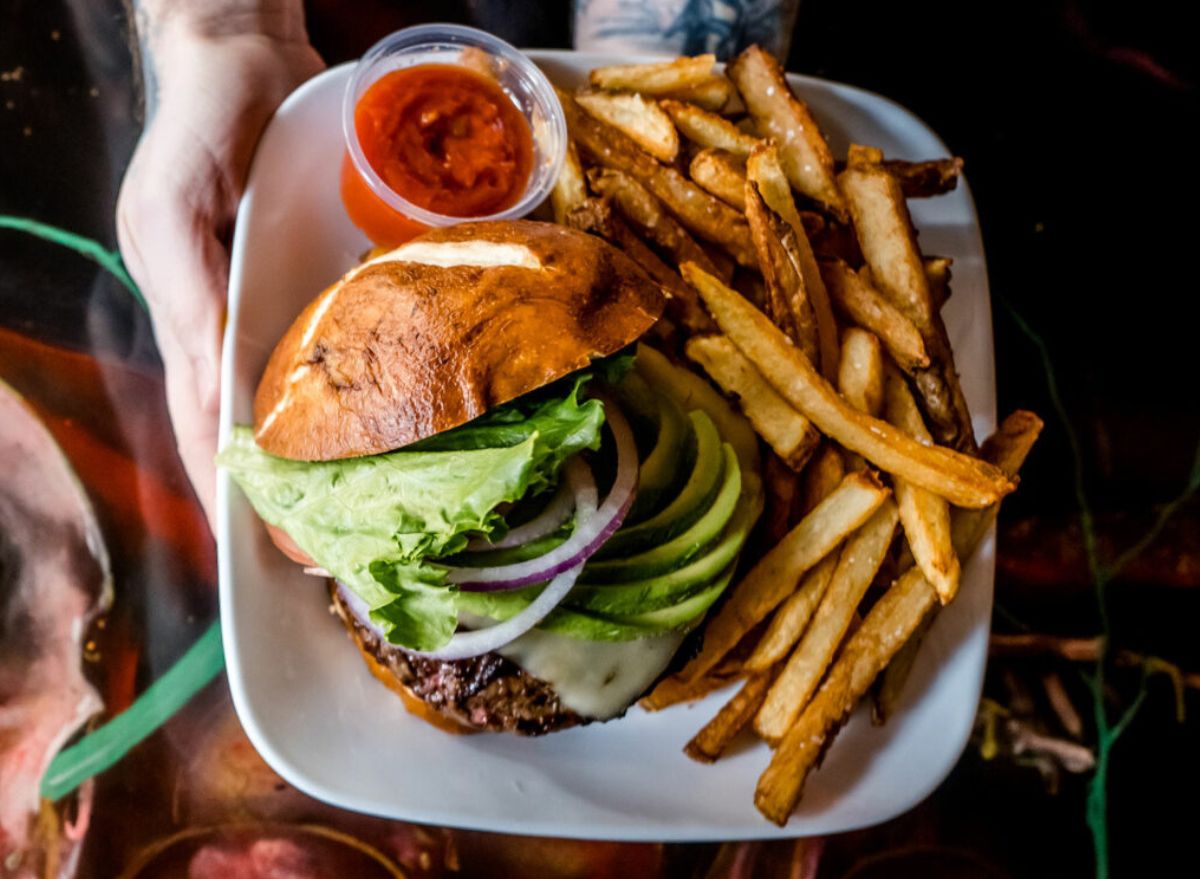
<point x="376" y="522"/>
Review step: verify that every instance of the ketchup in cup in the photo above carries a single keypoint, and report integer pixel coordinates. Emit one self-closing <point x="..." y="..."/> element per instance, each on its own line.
<point x="446" y="123"/>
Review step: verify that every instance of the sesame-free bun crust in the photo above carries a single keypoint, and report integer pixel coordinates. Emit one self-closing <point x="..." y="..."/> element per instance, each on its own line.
<point x="443" y="328"/>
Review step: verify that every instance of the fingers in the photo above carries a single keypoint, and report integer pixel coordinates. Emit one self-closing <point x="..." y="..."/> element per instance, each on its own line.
<point x="174" y="255"/>
<point x="177" y="206"/>
<point x="187" y="309"/>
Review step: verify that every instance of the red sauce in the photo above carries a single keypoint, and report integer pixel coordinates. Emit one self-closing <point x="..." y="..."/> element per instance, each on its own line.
<point x="445" y="138"/>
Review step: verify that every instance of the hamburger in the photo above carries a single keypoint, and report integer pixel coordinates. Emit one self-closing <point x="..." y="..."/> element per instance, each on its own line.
<point x="521" y="509"/>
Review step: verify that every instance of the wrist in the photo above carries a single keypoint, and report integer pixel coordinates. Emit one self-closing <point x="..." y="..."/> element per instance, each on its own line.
<point x="164" y="22"/>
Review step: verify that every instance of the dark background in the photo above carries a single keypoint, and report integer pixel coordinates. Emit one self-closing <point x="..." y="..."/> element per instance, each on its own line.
<point x="1075" y="122"/>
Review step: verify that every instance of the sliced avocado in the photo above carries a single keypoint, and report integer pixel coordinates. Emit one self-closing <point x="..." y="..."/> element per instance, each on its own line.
<point x="498" y="605"/>
<point x="664" y="590"/>
<point x="678" y="551"/>
<point x="602" y="627"/>
<point x="644" y="619"/>
<point x="593" y="627"/>
<point x="693" y="499"/>
<point x="678" y="615"/>
<point x="690" y="391"/>
<point x="663" y="468"/>
<point x="640" y="405"/>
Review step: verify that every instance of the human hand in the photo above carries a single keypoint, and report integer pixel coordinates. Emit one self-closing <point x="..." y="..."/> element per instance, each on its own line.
<point x="220" y="76"/>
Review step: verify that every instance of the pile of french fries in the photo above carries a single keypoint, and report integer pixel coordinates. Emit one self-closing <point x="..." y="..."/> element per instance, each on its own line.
<point x="798" y="286"/>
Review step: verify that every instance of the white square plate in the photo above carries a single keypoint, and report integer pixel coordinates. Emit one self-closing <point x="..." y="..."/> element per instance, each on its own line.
<point x="316" y="715"/>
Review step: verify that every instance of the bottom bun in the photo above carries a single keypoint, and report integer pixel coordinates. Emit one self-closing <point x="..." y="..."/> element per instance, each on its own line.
<point x="486" y="693"/>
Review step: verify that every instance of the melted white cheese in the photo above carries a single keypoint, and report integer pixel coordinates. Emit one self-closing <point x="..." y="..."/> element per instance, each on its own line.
<point x="597" y="679"/>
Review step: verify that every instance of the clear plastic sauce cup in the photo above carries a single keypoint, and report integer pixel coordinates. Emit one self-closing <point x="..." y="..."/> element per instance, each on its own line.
<point x="386" y="216"/>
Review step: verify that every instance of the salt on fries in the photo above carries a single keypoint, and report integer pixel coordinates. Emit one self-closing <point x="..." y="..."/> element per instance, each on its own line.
<point x="709" y="129"/>
<point x="778" y="572"/>
<point x="721" y="174"/>
<point x="856" y="566"/>
<point x="963" y="480"/>
<point x="655" y="79"/>
<point x="781" y="115"/>
<point x="765" y="172"/>
<point x="886" y="628"/>
<point x="786" y="431"/>
<point x="926" y="516"/>
<point x="821" y="319"/>
<point x="639" y="118"/>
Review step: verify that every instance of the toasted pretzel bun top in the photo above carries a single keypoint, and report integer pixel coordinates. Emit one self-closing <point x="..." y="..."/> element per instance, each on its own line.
<point x="436" y="332"/>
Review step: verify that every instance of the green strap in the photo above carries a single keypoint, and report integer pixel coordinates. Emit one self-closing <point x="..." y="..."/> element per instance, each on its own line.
<point x="109" y="260"/>
<point x="103" y="747"/>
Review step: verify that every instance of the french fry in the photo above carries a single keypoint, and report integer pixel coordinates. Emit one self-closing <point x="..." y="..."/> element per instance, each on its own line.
<point x="888" y="626"/>
<point x="701" y="213"/>
<point x="861" y="374"/>
<point x="882" y="633"/>
<point x="715" y="736"/>
<point x="779" y="114"/>
<point x="763" y="166"/>
<point x="671" y="691"/>
<point x="885" y="234"/>
<point x="788" y="303"/>
<point x="708" y="129"/>
<point x="646" y="214"/>
<point x="1007" y="448"/>
<point x="812" y="222"/>
<point x="789" y="622"/>
<point x="855" y="298"/>
<point x="718" y="172"/>
<point x="638" y="118"/>
<point x="785" y="430"/>
<point x="896" y="675"/>
<point x="596" y="216"/>
<point x="782" y="485"/>
<point x="655" y="79"/>
<point x="921" y="179"/>
<point x="570" y="189"/>
<point x="926" y="516"/>
<point x="860" y="558"/>
<point x="937" y="271"/>
<point x="764" y="169"/>
<point x="778" y="573"/>
<point x="726" y="265"/>
<point x="715" y="93"/>
<point x="836" y="241"/>
<point x="964" y="481"/>
<point x="822" y="475"/>
<point x="926" y="179"/>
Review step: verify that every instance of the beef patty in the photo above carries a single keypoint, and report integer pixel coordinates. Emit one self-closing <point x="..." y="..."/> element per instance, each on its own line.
<point x="485" y="692"/>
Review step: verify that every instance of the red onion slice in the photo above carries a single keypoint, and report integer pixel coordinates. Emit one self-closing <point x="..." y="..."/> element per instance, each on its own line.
<point x="591" y="529"/>
<point x="549" y="520"/>
<point x="475" y="643"/>
<point x="464" y="645"/>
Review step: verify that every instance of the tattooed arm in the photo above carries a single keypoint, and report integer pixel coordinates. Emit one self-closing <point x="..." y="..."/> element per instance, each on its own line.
<point x="214" y="70"/>
<point x="684" y="27"/>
